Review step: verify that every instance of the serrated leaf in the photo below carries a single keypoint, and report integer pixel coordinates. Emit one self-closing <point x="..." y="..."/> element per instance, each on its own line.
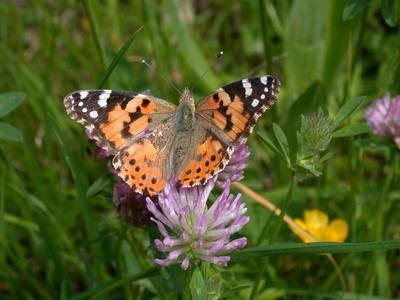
<point x="351" y="130"/>
<point x="10" y="101"/>
<point x="389" y="12"/>
<point x="353" y="7"/>
<point x="198" y="286"/>
<point x="282" y="141"/>
<point x="10" y="133"/>
<point x="348" y="109"/>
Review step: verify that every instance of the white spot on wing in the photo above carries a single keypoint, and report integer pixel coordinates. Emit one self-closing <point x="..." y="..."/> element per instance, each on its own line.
<point x="83" y="94"/>
<point x="255" y="102"/>
<point x="266" y="89"/>
<point x="103" y="98"/>
<point x="84" y="110"/>
<point x="262" y="96"/>
<point x="247" y="87"/>
<point x="93" y="114"/>
<point x="80" y="103"/>
<point x="263" y="80"/>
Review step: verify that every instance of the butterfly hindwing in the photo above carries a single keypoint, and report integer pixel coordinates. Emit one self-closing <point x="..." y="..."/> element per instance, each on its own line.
<point x="113" y="118"/>
<point x="235" y="108"/>
<point x="206" y="158"/>
<point x="144" y="164"/>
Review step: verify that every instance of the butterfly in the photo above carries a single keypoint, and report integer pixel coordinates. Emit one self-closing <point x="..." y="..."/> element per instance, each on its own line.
<point x="151" y="138"/>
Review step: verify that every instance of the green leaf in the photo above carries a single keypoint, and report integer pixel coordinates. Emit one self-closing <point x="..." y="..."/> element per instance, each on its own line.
<point x="304" y="39"/>
<point x="315" y="248"/>
<point x="373" y="145"/>
<point x="9" y="102"/>
<point x="117" y="58"/>
<point x="282" y="141"/>
<point x="338" y="38"/>
<point x="348" y="109"/>
<point x="269" y="142"/>
<point x="389" y="12"/>
<point x="351" y="130"/>
<point x="10" y="133"/>
<point x="198" y="286"/>
<point x="98" y="185"/>
<point x="353" y="7"/>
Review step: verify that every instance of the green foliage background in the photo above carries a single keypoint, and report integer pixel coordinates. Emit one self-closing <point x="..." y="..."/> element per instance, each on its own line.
<point x="59" y="237"/>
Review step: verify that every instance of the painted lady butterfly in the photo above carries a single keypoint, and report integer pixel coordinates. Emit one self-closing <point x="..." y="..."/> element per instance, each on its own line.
<point x="152" y="138"/>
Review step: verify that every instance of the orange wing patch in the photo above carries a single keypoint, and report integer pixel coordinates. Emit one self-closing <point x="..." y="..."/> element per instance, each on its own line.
<point x="125" y="122"/>
<point x="211" y="158"/>
<point x="137" y="166"/>
<point x="228" y="114"/>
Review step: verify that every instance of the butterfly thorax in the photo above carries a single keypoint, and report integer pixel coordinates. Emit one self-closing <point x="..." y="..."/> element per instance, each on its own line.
<point x="185" y="112"/>
<point x="185" y="122"/>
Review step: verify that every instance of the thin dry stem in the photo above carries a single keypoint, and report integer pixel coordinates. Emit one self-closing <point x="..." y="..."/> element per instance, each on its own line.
<point x="291" y="223"/>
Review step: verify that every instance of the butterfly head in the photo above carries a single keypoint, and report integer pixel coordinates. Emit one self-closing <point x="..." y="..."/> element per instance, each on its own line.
<point x="186" y="111"/>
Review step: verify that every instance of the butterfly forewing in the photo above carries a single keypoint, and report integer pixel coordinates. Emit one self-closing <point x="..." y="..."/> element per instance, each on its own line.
<point x="235" y="108"/>
<point x="115" y="118"/>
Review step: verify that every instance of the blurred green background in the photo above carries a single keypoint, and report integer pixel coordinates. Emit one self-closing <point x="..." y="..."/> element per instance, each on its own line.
<point x="60" y="238"/>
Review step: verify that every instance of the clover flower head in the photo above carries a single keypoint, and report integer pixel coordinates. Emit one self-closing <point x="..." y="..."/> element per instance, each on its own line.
<point x="129" y="205"/>
<point x="383" y="116"/>
<point x="234" y="170"/>
<point x="377" y="116"/>
<point x="193" y="231"/>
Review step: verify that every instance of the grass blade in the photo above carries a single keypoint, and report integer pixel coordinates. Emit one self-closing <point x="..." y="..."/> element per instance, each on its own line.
<point x="108" y="287"/>
<point x="88" y="4"/>
<point x="315" y="248"/>
<point x="117" y="58"/>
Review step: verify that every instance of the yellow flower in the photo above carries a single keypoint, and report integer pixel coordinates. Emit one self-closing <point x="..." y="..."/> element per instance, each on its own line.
<point x="317" y="224"/>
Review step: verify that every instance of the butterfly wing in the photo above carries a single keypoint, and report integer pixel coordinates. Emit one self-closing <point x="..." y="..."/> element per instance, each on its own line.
<point x="224" y="119"/>
<point x="233" y="110"/>
<point x="145" y="163"/>
<point x="208" y="157"/>
<point x="134" y="127"/>
<point x="113" y="118"/>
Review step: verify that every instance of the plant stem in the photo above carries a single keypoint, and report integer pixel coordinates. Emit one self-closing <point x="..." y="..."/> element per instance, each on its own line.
<point x="138" y="251"/>
<point x="281" y="215"/>
<point x="291" y="223"/>
<point x="186" y="290"/>
<point x="381" y="266"/>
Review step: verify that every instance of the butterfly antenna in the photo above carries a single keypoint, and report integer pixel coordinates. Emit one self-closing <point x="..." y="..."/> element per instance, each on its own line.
<point x="152" y="69"/>
<point x="208" y="69"/>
